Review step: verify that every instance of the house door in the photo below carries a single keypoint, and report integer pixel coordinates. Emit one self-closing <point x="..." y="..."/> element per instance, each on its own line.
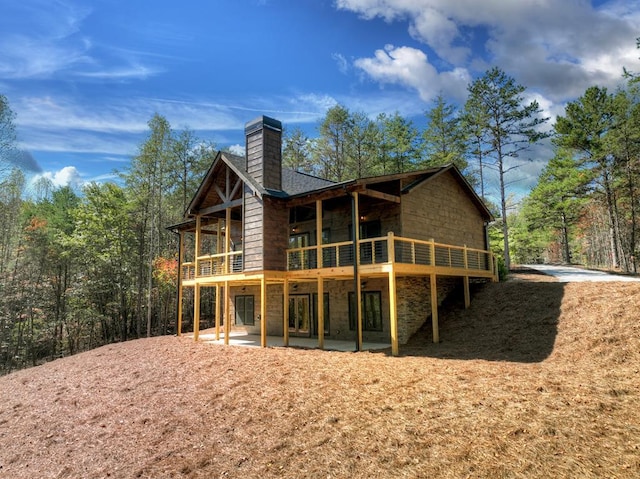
<point x="299" y="313"/>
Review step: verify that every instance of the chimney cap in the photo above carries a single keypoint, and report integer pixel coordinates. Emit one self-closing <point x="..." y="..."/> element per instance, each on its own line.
<point x="262" y="122"/>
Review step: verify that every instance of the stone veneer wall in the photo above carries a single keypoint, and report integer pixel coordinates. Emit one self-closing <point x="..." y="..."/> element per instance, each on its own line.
<point x="414" y="302"/>
<point x="414" y="306"/>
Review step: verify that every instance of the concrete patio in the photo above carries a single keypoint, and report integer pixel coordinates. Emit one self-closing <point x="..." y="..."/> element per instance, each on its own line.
<point x="240" y="338"/>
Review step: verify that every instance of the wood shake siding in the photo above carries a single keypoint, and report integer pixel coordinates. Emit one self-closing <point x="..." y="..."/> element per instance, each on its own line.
<point x="276" y="235"/>
<point x="441" y="210"/>
<point x="253" y="239"/>
<point x="272" y="161"/>
<point x="254" y="155"/>
<point x="264" y="160"/>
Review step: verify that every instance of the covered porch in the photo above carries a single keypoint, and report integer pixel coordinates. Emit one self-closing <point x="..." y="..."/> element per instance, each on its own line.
<point x="244" y="339"/>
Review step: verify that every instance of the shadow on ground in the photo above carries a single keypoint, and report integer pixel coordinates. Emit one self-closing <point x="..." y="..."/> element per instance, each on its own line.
<point x="512" y="321"/>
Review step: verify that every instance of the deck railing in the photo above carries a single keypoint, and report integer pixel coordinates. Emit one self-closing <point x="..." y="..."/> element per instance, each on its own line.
<point x="213" y="265"/>
<point x="384" y="249"/>
<point x="402" y="250"/>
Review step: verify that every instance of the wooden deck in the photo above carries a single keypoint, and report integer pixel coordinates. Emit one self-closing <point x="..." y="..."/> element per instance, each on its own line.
<point x="387" y="256"/>
<point x="375" y="256"/>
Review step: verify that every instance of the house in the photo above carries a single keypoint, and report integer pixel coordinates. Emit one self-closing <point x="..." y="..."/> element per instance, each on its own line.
<point x="288" y="253"/>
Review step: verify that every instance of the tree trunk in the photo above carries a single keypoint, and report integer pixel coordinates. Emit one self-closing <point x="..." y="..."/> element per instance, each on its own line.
<point x="503" y="208"/>
<point x="565" y="240"/>
<point x="613" y="238"/>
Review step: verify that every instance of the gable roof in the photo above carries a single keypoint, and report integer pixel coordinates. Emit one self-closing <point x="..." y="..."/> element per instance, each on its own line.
<point x="297" y="185"/>
<point x="293" y="182"/>
<point x="419" y="177"/>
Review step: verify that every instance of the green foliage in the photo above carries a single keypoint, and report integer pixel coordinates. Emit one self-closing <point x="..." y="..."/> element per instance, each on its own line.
<point x="331" y="152"/>
<point x="79" y="271"/>
<point x="296" y="151"/>
<point x="555" y="204"/>
<point x="496" y="112"/>
<point x="7" y="128"/>
<point x="445" y="140"/>
<point x="528" y="244"/>
<point x="398" y="143"/>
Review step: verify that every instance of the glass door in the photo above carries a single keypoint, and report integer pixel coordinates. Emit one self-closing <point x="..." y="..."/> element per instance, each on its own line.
<point x="299" y="314"/>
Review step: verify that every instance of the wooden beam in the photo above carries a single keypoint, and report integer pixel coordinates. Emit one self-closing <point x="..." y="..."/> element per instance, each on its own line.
<point x="222" y="196"/>
<point x="227" y="238"/>
<point x="356" y="258"/>
<point x="285" y="310"/>
<point x="217" y="312"/>
<point x="263" y="312"/>
<point x="465" y="279"/>
<point x="467" y="294"/>
<point x="324" y="195"/>
<point x="393" y="313"/>
<point x="434" y="309"/>
<point x="319" y="233"/>
<point x="220" y="207"/>
<point x="197" y="240"/>
<point x="320" y="313"/>
<point x="196" y="312"/>
<point x="380" y="195"/>
<point x="180" y="292"/>
<point x="219" y="237"/>
<point x="227" y="319"/>
<point x="236" y="187"/>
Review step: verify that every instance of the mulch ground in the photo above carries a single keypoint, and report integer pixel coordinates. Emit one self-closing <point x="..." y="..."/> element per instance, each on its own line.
<point x="536" y="379"/>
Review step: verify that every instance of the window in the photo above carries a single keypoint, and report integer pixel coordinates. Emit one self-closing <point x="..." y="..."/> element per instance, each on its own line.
<point x="301" y="259"/>
<point x="371" y="252"/>
<point x="371" y="311"/>
<point x="299" y="313"/>
<point x="244" y="310"/>
<point x="299" y="240"/>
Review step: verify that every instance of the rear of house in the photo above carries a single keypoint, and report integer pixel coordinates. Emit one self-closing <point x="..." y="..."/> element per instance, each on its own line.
<point x="286" y="254"/>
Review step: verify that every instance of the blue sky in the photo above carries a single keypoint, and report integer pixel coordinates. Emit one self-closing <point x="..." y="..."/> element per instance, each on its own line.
<point x="84" y="77"/>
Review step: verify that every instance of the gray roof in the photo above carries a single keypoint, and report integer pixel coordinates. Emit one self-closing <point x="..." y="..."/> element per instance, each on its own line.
<point x="293" y="182"/>
<point x="296" y="183"/>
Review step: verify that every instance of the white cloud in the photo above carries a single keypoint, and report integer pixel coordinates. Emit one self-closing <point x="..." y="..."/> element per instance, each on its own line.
<point x="67" y="176"/>
<point x="410" y="67"/>
<point x="52" y="43"/>
<point x="237" y="149"/>
<point x="559" y="46"/>
<point x="341" y="61"/>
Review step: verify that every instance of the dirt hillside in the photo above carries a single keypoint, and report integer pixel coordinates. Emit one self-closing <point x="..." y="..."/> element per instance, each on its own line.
<point x="537" y="379"/>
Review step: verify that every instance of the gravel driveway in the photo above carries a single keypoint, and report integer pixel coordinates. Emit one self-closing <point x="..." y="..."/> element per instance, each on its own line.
<point x="571" y="274"/>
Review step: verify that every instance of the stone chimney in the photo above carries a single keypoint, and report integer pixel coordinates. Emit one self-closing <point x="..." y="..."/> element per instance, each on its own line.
<point x="264" y="151"/>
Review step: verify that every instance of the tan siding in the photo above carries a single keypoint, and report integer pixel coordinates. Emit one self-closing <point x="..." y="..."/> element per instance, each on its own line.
<point x="441" y="209"/>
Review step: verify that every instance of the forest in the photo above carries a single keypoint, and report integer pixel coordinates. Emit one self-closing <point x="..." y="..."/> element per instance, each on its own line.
<point x="80" y="269"/>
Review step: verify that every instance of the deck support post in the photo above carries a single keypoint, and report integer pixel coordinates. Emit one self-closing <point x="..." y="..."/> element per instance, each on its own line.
<point x="227" y="240"/>
<point x="318" y="233"/>
<point x="467" y="294"/>
<point x="217" y="312"/>
<point x="263" y="312"/>
<point x="355" y="221"/>
<point x="320" y="313"/>
<point x="196" y="312"/>
<point x="285" y="310"/>
<point x="227" y="319"/>
<point x="465" y="279"/>
<point x="180" y="293"/>
<point x="434" y="309"/>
